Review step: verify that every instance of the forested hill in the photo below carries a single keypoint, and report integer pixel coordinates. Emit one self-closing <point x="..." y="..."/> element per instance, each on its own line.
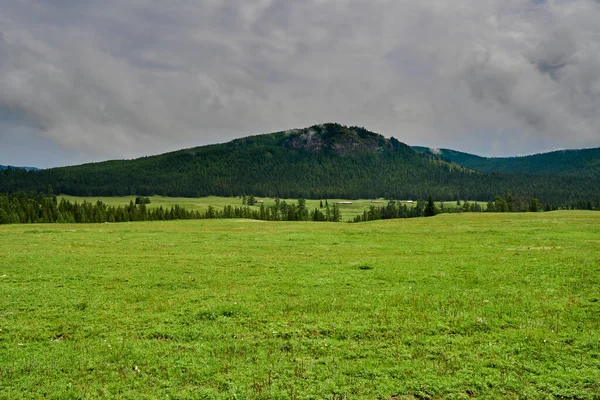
<point x="324" y="161"/>
<point x="585" y="162"/>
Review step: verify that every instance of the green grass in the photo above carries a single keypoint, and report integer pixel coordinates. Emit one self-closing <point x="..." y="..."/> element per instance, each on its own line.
<point x="455" y="306"/>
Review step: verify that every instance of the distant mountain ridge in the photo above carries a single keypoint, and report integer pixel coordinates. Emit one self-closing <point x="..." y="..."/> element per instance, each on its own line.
<point x="584" y="162"/>
<point x="3" y="167"/>
<point x="321" y="161"/>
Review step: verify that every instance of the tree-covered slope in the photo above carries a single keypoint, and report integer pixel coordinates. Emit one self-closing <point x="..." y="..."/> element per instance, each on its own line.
<point x="325" y="161"/>
<point x="585" y="162"/>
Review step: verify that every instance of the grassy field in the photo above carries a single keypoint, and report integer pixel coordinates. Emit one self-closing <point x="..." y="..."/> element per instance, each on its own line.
<point x="348" y="211"/>
<point x="453" y="307"/>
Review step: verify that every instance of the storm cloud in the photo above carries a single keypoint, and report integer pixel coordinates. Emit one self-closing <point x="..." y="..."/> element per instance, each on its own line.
<point x="113" y="79"/>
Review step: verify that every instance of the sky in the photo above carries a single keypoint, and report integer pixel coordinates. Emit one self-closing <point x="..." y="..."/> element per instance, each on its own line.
<point x="91" y="80"/>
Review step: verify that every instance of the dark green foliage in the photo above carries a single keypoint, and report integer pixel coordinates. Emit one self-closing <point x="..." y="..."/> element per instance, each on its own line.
<point x="500" y="205"/>
<point x="39" y="208"/>
<point x="324" y="161"/>
<point x="336" y="215"/>
<point x="142" y="200"/>
<point x="514" y="203"/>
<point x="430" y="209"/>
<point x="534" y="206"/>
<point x="507" y="203"/>
<point x="393" y="210"/>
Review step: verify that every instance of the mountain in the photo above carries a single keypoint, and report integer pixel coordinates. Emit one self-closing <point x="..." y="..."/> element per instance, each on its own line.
<point x="322" y="161"/>
<point x="3" y="167"/>
<point x="585" y="162"/>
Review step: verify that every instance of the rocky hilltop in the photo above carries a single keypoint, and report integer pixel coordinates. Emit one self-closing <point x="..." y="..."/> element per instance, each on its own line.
<point x="337" y="139"/>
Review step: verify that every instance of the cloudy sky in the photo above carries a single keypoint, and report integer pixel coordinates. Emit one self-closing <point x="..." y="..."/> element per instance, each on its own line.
<point x="87" y="80"/>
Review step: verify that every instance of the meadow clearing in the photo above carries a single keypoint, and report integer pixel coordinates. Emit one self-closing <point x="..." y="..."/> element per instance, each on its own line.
<point x="201" y="204"/>
<point x="455" y="306"/>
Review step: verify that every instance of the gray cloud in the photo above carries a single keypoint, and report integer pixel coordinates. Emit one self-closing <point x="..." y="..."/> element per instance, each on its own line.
<point x="116" y="79"/>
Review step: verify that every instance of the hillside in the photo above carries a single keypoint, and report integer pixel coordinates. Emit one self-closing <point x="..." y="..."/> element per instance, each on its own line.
<point x="324" y="161"/>
<point x="585" y="162"/>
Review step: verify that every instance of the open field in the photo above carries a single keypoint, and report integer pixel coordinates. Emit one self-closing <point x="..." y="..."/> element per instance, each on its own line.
<point x="348" y="211"/>
<point x="455" y="306"/>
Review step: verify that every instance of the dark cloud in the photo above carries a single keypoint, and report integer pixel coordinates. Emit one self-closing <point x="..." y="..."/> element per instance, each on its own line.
<point x="116" y="79"/>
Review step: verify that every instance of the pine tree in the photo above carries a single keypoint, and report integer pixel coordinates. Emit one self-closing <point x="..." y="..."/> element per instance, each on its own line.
<point x="430" y="210"/>
<point x="534" y="206"/>
<point x="336" y="215"/>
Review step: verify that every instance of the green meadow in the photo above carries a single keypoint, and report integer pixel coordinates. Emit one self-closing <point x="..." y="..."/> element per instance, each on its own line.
<point x="451" y="307"/>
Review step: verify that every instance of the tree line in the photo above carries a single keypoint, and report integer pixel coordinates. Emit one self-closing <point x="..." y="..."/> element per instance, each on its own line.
<point x="24" y="208"/>
<point x="27" y="208"/>
<point x="505" y="203"/>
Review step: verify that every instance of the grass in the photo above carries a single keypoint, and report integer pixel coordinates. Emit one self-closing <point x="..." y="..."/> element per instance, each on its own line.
<point x="201" y="204"/>
<point x="455" y="306"/>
